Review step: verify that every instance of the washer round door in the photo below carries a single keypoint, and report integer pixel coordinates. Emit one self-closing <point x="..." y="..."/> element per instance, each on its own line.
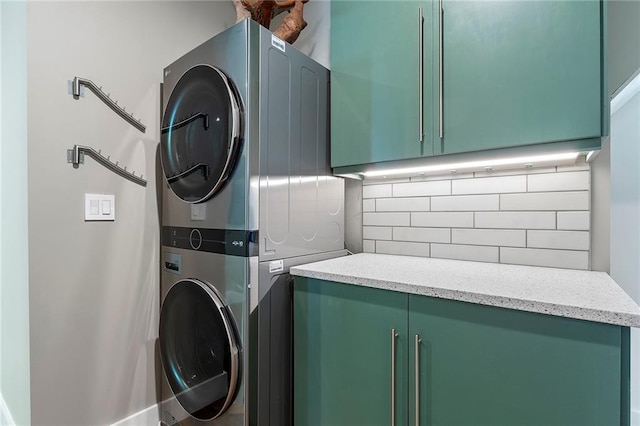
<point x="199" y="348"/>
<point x="201" y="131"/>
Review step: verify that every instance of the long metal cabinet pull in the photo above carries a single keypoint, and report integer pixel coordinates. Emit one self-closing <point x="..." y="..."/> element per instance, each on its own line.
<point x="441" y="67"/>
<point x="394" y="336"/>
<point x="420" y="72"/>
<point x="417" y="378"/>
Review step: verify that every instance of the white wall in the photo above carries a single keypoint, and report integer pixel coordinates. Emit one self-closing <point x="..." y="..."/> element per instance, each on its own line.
<point x="625" y="213"/>
<point x="14" y="281"/>
<point x="95" y="285"/>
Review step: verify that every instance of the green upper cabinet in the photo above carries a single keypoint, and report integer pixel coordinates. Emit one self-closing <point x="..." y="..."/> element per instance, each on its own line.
<point x="519" y="73"/>
<point x="512" y="73"/>
<point x="375" y="80"/>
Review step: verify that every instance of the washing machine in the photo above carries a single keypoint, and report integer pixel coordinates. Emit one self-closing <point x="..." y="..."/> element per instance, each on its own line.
<point x="247" y="194"/>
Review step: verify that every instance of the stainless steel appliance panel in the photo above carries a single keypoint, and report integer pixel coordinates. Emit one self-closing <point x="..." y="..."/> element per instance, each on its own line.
<point x="229" y="52"/>
<point x="301" y="204"/>
<point x="229" y="275"/>
<point x="270" y="333"/>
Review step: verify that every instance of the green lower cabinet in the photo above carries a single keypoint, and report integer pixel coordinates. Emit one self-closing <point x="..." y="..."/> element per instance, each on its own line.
<point x="476" y="365"/>
<point x="481" y="365"/>
<point x="342" y="354"/>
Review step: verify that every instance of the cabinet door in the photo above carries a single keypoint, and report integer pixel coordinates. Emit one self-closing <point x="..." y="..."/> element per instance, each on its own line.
<point x="375" y="75"/>
<point x="520" y="72"/>
<point x="342" y="354"/>
<point x="482" y="365"/>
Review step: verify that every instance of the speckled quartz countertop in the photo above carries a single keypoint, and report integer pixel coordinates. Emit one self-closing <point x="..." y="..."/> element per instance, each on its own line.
<point x="585" y="295"/>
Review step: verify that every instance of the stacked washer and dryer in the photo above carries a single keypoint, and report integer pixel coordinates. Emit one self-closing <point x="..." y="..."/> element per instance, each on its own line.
<point x="248" y="193"/>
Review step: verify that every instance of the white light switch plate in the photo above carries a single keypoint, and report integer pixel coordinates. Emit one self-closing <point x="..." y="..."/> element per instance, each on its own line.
<point x="99" y="207"/>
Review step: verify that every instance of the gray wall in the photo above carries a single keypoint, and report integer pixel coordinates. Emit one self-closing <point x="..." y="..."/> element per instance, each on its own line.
<point x="625" y="214"/>
<point x="623" y="194"/>
<point x="623" y="45"/>
<point x="94" y="287"/>
<point x="14" y="279"/>
<point x="623" y="62"/>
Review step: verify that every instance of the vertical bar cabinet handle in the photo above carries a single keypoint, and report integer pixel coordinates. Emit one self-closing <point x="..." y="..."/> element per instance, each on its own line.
<point x="441" y="67"/>
<point x="420" y="73"/>
<point x="394" y="336"/>
<point x="417" y="379"/>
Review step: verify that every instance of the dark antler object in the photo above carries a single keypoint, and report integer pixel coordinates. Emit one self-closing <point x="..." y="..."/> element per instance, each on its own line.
<point x="263" y="11"/>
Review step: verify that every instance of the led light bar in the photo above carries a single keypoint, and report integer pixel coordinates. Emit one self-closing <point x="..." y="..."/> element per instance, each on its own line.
<point x="489" y="164"/>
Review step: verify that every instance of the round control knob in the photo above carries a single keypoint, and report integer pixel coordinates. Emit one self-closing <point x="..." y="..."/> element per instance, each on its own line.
<point x="195" y="239"/>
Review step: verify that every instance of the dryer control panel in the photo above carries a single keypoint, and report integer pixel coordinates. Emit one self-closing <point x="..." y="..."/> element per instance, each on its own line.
<point x="223" y="241"/>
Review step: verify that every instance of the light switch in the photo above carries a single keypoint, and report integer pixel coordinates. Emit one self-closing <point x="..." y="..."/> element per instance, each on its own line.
<point x="94" y="207"/>
<point x="106" y="207"/>
<point x="99" y="207"/>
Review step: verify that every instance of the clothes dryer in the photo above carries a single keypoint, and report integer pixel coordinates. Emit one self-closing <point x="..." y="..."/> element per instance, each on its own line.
<point x="248" y="189"/>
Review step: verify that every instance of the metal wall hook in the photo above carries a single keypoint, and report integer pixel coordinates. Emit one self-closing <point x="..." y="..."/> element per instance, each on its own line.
<point x="106" y="98"/>
<point x="76" y="156"/>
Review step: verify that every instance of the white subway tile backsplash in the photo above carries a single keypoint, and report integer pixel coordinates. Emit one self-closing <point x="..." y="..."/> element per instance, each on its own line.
<point x="409" y="204"/>
<point x="428" y="235"/>
<point x="573" y="168"/>
<point x="545" y="201"/>
<point x="541" y="257"/>
<point x="534" y="217"/>
<point x="377" y="233"/>
<point x="422" y="189"/>
<point x="462" y="252"/>
<point x="376" y="191"/>
<point x="386" y="219"/>
<point x="577" y="221"/>
<point x="568" y="181"/>
<point x="467" y="203"/>
<point x="369" y="246"/>
<point x="369" y="205"/>
<point x="448" y="176"/>
<point x="443" y="219"/>
<point x="572" y="240"/>
<point x="490" y="185"/>
<point x="515" y="220"/>
<point x="402" y="248"/>
<point x="490" y="237"/>
<point x="382" y="181"/>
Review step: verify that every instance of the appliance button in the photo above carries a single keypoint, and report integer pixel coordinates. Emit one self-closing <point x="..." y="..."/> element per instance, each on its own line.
<point x="195" y="239"/>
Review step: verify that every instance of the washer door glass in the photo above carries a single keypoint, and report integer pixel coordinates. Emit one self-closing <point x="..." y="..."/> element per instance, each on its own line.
<point x="199" y="349"/>
<point x="200" y="134"/>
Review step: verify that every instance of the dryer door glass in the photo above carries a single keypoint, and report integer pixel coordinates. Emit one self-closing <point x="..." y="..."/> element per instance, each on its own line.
<point x="200" y="134"/>
<point x="199" y="347"/>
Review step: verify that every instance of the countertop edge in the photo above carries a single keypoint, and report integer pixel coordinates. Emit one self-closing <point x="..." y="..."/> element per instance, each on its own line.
<point x="559" y="310"/>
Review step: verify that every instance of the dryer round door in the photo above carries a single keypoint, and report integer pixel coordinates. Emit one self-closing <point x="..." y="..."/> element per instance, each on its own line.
<point x="201" y="131"/>
<point x="199" y="348"/>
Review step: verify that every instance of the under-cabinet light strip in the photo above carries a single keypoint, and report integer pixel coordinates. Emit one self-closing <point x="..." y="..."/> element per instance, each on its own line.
<point x="530" y="160"/>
